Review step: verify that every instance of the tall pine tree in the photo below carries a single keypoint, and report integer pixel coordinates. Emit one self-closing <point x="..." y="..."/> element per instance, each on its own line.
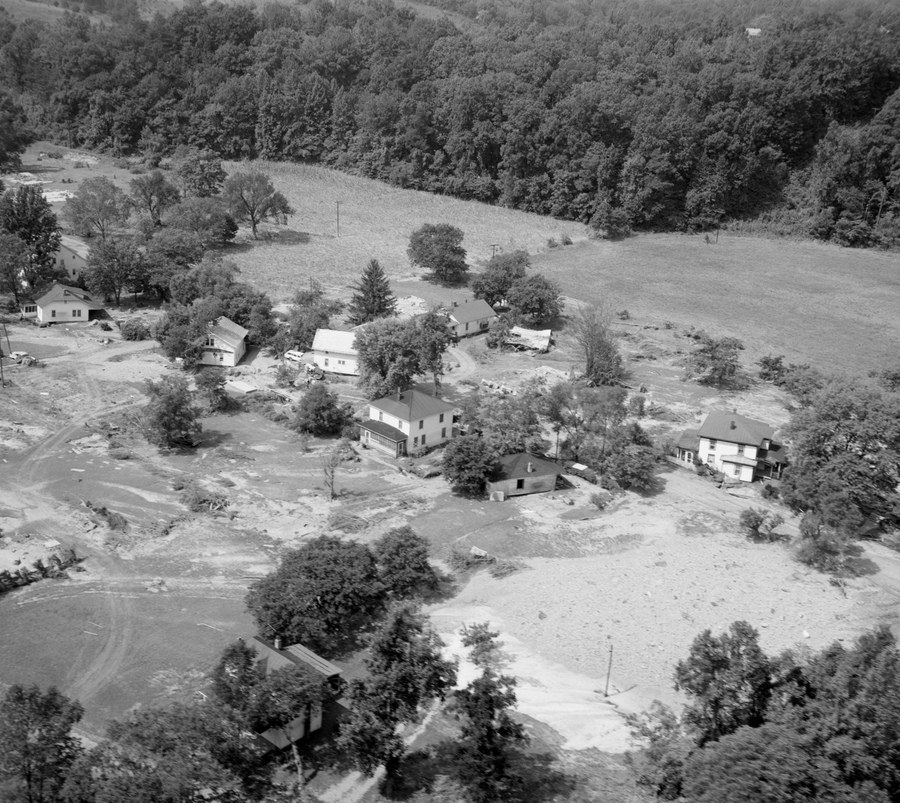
<point x="373" y="298"/>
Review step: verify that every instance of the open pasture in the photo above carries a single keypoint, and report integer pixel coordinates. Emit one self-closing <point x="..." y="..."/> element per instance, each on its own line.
<point x="376" y="221"/>
<point x="836" y="308"/>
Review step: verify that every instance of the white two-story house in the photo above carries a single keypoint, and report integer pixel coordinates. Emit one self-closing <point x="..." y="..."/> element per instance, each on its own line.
<point x="334" y="351"/>
<point x="406" y="421"/>
<point x="72" y="256"/>
<point x="739" y="447"/>
<point x="224" y="343"/>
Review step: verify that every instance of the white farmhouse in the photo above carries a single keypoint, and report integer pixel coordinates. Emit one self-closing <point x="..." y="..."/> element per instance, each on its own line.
<point x="470" y="317"/>
<point x="334" y="351"/>
<point x="62" y="304"/>
<point x="406" y="421"/>
<point x="739" y="447"/>
<point x="72" y="257"/>
<point x="224" y="344"/>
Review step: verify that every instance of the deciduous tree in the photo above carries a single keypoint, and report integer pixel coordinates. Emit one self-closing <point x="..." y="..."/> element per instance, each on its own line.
<point x="500" y="274"/>
<point x="37" y="747"/>
<point x="537" y="297"/>
<point x="438" y="249"/>
<point x="199" y="172"/>
<point x="154" y="194"/>
<point x="170" y="415"/>
<point x="25" y="213"/>
<point x="728" y="680"/>
<point x="468" y="463"/>
<point x="114" y="266"/>
<point x="320" y="412"/>
<point x="405" y="671"/>
<point x="251" y="197"/>
<point x="403" y="565"/>
<point x="603" y="362"/>
<point x="372" y="298"/>
<point x="488" y="734"/>
<point x="205" y="218"/>
<point x="14" y="264"/>
<point x="389" y="356"/>
<point x="96" y="207"/>
<point x="323" y="594"/>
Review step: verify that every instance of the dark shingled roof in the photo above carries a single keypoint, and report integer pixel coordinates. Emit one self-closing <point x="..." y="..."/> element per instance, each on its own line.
<point x="294" y="655"/>
<point x="62" y="292"/>
<point x="515" y="467"/>
<point x="385" y="430"/>
<point x="410" y="405"/>
<point x="734" y="428"/>
<point x="690" y="440"/>
<point x="474" y="310"/>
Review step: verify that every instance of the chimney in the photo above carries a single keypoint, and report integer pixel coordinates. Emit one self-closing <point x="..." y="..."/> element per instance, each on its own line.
<point x="733" y="425"/>
<point x="530" y="467"/>
<point x="277" y="642"/>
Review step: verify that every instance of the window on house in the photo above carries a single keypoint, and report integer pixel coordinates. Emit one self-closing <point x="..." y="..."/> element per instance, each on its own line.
<point x="712" y="443"/>
<point x="441" y="419"/>
<point x="444" y="432"/>
<point x="467" y="327"/>
<point x="737" y="471"/>
<point x="53" y="313"/>
<point x="416" y="441"/>
<point x="380" y="416"/>
<point x="423" y="440"/>
<point x="221" y="358"/>
<point x="520" y="485"/>
<point x="710" y="459"/>
<point x="740" y="448"/>
<point x="421" y="424"/>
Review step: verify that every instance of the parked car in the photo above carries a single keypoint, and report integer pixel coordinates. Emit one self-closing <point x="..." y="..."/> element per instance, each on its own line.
<point x="18" y="356"/>
<point x="292" y="355"/>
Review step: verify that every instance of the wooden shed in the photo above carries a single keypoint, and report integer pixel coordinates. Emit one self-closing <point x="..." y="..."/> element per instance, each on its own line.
<point x="521" y="474"/>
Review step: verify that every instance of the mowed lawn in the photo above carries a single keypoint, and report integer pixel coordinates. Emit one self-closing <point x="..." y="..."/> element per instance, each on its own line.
<point x="836" y="308"/>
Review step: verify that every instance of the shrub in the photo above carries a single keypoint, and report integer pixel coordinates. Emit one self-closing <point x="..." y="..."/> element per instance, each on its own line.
<point x="54" y="155"/>
<point x="760" y="525"/>
<point x="770" y="491"/>
<point x="461" y="560"/>
<point x="566" y="240"/>
<point x="623" y="315"/>
<point x="135" y="329"/>
<point x="637" y="406"/>
<point x="820" y="546"/>
<point x="600" y="499"/>
<point x="285" y="376"/>
<point x="197" y="498"/>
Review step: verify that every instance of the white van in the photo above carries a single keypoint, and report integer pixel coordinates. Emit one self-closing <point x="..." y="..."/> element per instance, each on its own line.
<point x="293" y="355"/>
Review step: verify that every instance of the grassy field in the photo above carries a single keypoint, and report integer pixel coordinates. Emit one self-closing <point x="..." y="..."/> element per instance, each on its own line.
<point x="834" y="307"/>
<point x="831" y="306"/>
<point x="42" y="12"/>
<point x="376" y="221"/>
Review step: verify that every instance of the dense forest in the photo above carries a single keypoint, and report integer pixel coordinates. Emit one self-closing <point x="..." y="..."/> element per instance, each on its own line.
<point x="624" y="115"/>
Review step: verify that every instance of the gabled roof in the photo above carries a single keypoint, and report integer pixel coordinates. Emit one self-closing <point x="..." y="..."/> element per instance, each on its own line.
<point x="62" y="292"/>
<point x="690" y="439"/>
<point x="474" y="310"/>
<point x="384" y="429"/>
<point x="294" y="655"/>
<point x="516" y="467"/>
<point x="227" y="331"/>
<point x="412" y="404"/>
<point x="734" y="428"/>
<point x="334" y="340"/>
<point x="75" y="245"/>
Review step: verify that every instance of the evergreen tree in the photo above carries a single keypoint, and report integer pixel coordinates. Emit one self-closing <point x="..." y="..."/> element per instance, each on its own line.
<point x="373" y="298"/>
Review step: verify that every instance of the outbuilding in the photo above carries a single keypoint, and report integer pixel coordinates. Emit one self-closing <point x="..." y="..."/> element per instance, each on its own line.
<point x="225" y="343"/>
<point x="333" y="351"/>
<point x="521" y="474"/>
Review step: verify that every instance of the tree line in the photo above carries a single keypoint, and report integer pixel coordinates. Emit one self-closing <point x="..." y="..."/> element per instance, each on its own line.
<point x="623" y="116"/>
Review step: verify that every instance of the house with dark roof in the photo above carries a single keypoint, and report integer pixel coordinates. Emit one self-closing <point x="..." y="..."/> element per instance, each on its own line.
<point x="63" y="304"/>
<point x="739" y="447"/>
<point x="470" y="317"/>
<point x="270" y="656"/>
<point x="522" y="473"/>
<point x="224" y="344"/>
<point x="334" y="351"/>
<point x="406" y="421"/>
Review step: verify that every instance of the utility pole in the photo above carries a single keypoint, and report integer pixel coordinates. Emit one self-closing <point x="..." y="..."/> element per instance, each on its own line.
<point x="338" y="207"/>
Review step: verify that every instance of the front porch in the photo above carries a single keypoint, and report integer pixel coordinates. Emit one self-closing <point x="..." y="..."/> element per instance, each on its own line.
<point x="383" y="437"/>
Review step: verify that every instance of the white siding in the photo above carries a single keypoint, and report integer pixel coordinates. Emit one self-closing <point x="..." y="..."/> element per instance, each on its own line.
<point x="220" y="353"/>
<point x="63" y="312"/>
<point x="432" y="429"/>
<point x="711" y="453"/>
<point x="337" y="362"/>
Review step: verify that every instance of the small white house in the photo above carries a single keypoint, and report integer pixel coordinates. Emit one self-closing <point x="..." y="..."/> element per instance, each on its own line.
<point x="334" y="351"/>
<point x="72" y="257"/>
<point x="470" y="317"/>
<point x="62" y="304"/>
<point x="737" y="446"/>
<point x="225" y="343"/>
<point x="406" y="421"/>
